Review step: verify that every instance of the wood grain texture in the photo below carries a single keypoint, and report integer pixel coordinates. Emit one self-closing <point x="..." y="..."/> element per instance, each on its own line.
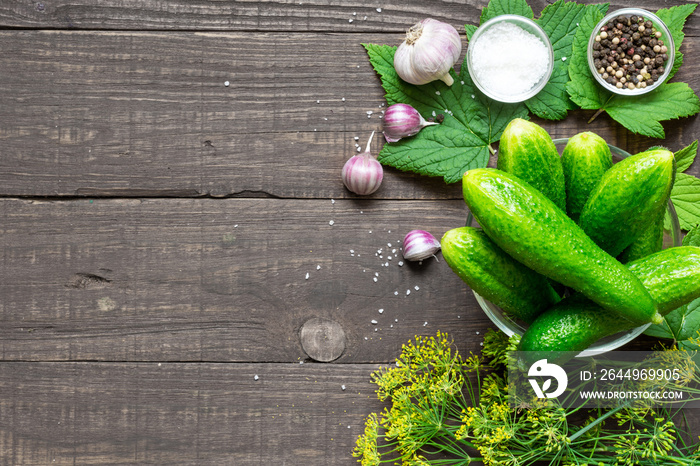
<point x="222" y="280"/>
<point x="263" y="16"/>
<point x="182" y="414"/>
<point x="134" y="114"/>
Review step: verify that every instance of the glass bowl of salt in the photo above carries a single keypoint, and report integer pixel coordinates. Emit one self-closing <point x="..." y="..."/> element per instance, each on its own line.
<point x="510" y="58"/>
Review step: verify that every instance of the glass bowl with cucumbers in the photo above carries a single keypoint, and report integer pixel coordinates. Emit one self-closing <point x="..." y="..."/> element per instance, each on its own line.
<point x="511" y="326"/>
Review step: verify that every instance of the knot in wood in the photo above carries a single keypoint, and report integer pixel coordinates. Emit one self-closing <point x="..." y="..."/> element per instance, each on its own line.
<point x="322" y="339"/>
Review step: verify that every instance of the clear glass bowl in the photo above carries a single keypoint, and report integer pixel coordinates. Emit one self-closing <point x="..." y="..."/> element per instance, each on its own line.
<point x="529" y="26"/>
<point x="510" y="326"/>
<point x="665" y="36"/>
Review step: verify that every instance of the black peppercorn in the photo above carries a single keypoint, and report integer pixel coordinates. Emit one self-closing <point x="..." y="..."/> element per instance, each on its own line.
<point x="659" y="60"/>
<point x="634" y="18"/>
<point x="649" y="82"/>
<point x="597" y="46"/>
<point x="638" y="64"/>
<point x="648" y="24"/>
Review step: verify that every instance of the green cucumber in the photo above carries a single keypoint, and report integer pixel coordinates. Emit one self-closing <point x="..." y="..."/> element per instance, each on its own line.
<point x="628" y="195"/>
<point x="585" y="159"/>
<point x="534" y="231"/>
<point x="671" y="276"/>
<point x="496" y="276"/>
<point x="527" y="151"/>
<point x="650" y="241"/>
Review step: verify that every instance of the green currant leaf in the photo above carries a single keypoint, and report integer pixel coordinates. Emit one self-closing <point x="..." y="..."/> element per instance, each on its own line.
<point x="681" y="326"/>
<point x="685" y="196"/>
<point x="686" y="156"/>
<point x="640" y="114"/>
<point x="462" y="141"/>
<point x="559" y="20"/>
<point x="674" y="18"/>
<point x="506" y="7"/>
<point x="693" y="237"/>
<point x="470" y="29"/>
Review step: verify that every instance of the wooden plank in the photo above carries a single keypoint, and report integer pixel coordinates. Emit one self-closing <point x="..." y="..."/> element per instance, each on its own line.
<point x="306" y="15"/>
<point x="184" y="414"/>
<point x="147" y="114"/>
<point x="301" y="16"/>
<point x="222" y="280"/>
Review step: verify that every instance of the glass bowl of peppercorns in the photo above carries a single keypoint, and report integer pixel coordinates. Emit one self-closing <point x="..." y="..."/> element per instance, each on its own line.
<point x="631" y="52"/>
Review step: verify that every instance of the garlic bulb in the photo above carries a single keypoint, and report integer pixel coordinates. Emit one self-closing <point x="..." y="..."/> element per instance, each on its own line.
<point x="401" y="120"/>
<point x="419" y="245"/>
<point x="362" y="173"/>
<point x="429" y="51"/>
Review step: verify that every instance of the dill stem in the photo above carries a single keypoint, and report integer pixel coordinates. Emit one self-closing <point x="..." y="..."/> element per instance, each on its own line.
<point x="596" y="422"/>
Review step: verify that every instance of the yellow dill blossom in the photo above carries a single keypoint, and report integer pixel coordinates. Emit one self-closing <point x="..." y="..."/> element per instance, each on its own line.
<point x="366" y="445"/>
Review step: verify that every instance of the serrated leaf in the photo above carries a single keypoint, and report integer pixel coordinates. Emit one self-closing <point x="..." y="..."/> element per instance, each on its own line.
<point x="643" y="114"/>
<point x="675" y="18"/>
<point x="462" y="141"/>
<point x="684" y="157"/>
<point x="446" y="151"/>
<point x="680" y="325"/>
<point x="685" y="196"/>
<point x="582" y="89"/>
<point x="640" y="114"/>
<point x="693" y="237"/>
<point x="506" y="7"/>
<point x="470" y="29"/>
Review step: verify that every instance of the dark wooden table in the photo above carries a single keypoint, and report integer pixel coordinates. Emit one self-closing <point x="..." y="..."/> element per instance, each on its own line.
<point x="168" y="241"/>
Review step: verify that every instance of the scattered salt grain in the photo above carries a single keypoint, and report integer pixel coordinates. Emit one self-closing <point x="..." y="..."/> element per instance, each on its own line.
<point x="318" y="101"/>
<point x="350" y="21"/>
<point x="379" y="10"/>
<point x="354" y="13"/>
<point x="307" y="276"/>
<point x="563" y="58"/>
<point x="375" y="279"/>
<point x="396" y="293"/>
<point x="332" y="201"/>
<point x="425" y="323"/>
<point x="227" y="84"/>
<point x="396" y="320"/>
<point x="256" y="377"/>
<point x="342" y="387"/>
<point x="343" y="99"/>
<point x="408" y="292"/>
<point x="381" y="311"/>
<point x="318" y="267"/>
<point x="374" y="322"/>
<point x="375" y="329"/>
<point x="376" y="274"/>
<point x="462" y="82"/>
<point x="359" y="149"/>
<point x="357" y="138"/>
<point x="437" y="92"/>
<point x="400" y="263"/>
<point x="477" y="333"/>
<point x="418" y="288"/>
<point x="331" y="223"/>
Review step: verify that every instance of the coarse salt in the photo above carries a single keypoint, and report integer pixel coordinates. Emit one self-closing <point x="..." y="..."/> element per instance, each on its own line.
<point x="507" y="60"/>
